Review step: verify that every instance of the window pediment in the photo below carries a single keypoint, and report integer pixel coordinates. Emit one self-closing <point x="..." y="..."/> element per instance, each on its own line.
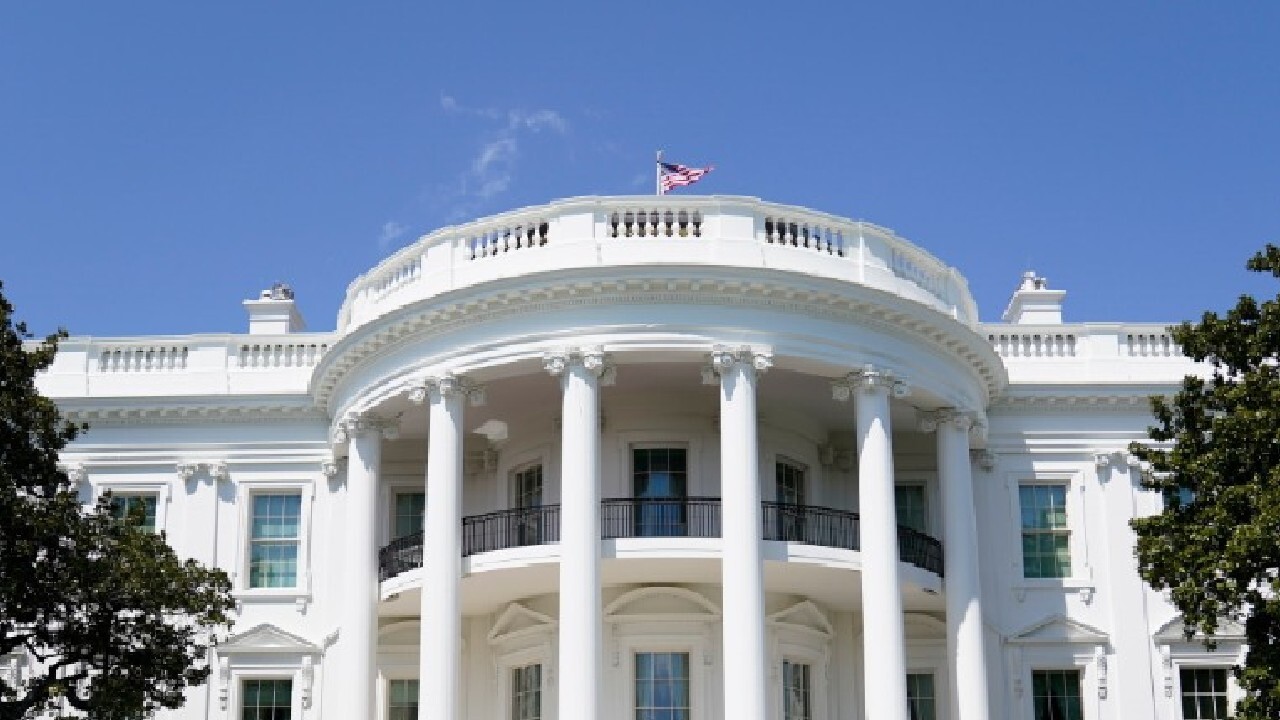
<point x="805" y="617"/>
<point x="267" y="638"/>
<point x="1060" y="629"/>
<point x="1174" y="631"/>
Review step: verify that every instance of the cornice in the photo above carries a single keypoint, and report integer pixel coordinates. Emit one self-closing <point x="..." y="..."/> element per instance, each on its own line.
<point x="782" y="291"/>
<point x="175" y="411"/>
<point x="1092" y="396"/>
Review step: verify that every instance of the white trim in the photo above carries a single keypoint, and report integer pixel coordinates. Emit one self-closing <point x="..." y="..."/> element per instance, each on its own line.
<point x="1081" y="578"/>
<point x="246" y="488"/>
<point x="135" y="485"/>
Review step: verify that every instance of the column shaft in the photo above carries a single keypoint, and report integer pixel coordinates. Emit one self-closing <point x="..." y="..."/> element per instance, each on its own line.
<point x="360" y="558"/>
<point x="745" y="650"/>
<point x="441" y="639"/>
<point x="965" y="640"/>
<point x="883" y="642"/>
<point x="581" y="651"/>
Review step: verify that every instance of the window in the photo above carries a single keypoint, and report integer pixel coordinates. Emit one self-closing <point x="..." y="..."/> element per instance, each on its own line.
<point x="796" y="693"/>
<point x="526" y="487"/>
<point x="662" y="686"/>
<point x="128" y="506"/>
<point x="526" y="692"/>
<point x="660" y="479"/>
<point x="402" y="700"/>
<point x="1055" y="695"/>
<point x="267" y="700"/>
<point x="1046" y="540"/>
<point x="526" y="494"/>
<point x="911" y="508"/>
<point x="1204" y="693"/>
<point x="921" y="701"/>
<point x="789" y="478"/>
<point x="1181" y="497"/>
<point x="273" y="552"/>
<point x="410" y="508"/>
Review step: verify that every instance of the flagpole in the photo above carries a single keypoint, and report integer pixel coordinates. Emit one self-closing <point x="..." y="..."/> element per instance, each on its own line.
<point x="657" y="175"/>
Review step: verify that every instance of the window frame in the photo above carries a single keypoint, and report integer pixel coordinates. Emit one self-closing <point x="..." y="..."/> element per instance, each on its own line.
<point x="939" y="702"/>
<point x="134" y="487"/>
<point x="1178" y="689"/>
<point x="1071" y="474"/>
<point x="1053" y="532"/>
<point x="295" y="701"/>
<point x="246" y="490"/>
<point x="532" y="644"/>
<point x="926" y="497"/>
<point x="627" y="633"/>
<point x="782" y="459"/>
<point x="384" y="707"/>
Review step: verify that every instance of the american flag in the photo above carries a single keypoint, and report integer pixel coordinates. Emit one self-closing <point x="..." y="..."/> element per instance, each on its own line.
<point x="671" y="175"/>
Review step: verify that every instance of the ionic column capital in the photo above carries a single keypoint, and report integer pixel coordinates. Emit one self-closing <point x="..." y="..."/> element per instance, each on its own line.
<point x="966" y="421"/>
<point x="869" y="379"/>
<point x="723" y="358"/>
<point x="446" y="386"/>
<point x="592" y="359"/>
<point x="984" y="459"/>
<point x="358" y="424"/>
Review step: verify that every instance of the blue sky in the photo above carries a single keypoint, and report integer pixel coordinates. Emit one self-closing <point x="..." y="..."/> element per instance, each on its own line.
<point x="160" y="161"/>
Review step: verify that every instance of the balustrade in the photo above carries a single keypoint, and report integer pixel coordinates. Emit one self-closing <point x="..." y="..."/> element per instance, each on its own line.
<point x="798" y="233"/>
<point x="655" y="223"/>
<point x="281" y="355"/>
<point x="692" y="517"/>
<point x="1034" y="344"/>
<point x="152" y="358"/>
<point x="497" y="241"/>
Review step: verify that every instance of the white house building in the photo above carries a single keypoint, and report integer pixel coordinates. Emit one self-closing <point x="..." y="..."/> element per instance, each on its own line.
<point x="657" y="458"/>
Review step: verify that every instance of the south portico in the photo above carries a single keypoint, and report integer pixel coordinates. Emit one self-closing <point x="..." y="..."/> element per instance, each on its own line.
<point x="867" y="394"/>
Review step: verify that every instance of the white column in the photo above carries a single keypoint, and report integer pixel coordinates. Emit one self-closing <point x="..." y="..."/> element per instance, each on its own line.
<point x="358" y="644"/>
<point x="440" y="679"/>
<point x="745" y="651"/>
<point x="581" y="646"/>
<point x="883" y="640"/>
<point x="965" y="640"/>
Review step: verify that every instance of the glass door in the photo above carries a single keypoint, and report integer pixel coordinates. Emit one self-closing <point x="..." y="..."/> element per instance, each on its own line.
<point x="660" y="488"/>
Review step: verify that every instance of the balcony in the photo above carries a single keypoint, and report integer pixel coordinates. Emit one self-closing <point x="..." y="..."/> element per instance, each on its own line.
<point x="697" y="517"/>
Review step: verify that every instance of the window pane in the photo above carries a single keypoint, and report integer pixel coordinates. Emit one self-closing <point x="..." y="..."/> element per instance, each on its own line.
<point x="1046" y="539"/>
<point x="920" y="697"/>
<point x="130" y="506"/>
<point x="659" y="480"/>
<point x="1204" y="693"/>
<point x="402" y="700"/>
<point x="266" y="699"/>
<point x="273" y="547"/>
<point x="526" y="692"/>
<point x="796" y="692"/>
<point x="910" y="503"/>
<point x="410" y="509"/>
<point x="1056" y="694"/>
<point x="662" y="686"/>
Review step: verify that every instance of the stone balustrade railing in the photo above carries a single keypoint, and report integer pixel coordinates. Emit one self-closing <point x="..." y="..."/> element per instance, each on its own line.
<point x="1087" y="352"/>
<point x="644" y="230"/>
<point x="190" y="365"/>
<point x="1088" y="340"/>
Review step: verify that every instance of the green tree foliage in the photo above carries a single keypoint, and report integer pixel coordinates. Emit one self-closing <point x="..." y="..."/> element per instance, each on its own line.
<point x="1217" y="459"/>
<point x="110" y="622"/>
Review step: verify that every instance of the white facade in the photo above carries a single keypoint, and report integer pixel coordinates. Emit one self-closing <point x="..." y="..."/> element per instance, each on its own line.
<point x="669" y="458"/>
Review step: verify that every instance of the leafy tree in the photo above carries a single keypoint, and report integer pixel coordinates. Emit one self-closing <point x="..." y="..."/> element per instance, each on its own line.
<point x="111" y="623"/>
<point x="1217" y="459"/>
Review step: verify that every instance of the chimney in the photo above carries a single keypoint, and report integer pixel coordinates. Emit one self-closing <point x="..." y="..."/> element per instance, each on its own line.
<point x="1033" y="303"/>
<point x="274" y="312"/>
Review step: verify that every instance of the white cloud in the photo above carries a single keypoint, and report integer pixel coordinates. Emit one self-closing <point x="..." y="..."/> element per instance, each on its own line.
<point x="493" y="166"/>
<point x="391" y="231"/>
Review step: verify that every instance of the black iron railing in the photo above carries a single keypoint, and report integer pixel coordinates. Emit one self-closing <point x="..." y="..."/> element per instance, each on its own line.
<point x="400" y="555"/>
<point x="660" y="517"/>
<point x="811" y="525"/>
<point x="518" y="527"/>
<point x="920" y="550"/>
